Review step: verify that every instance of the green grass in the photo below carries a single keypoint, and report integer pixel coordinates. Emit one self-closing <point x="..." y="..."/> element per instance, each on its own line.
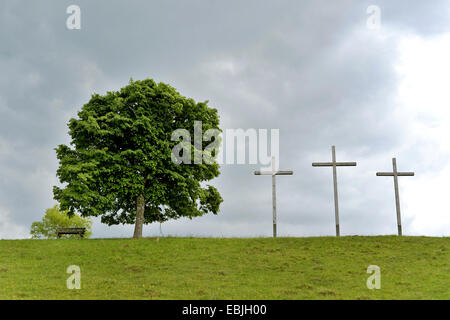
<point x="211" y="268"/>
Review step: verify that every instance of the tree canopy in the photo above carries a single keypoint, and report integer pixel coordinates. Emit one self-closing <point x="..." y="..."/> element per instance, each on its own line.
<point x="55" y="218"/>
<point x="119" y="165"/>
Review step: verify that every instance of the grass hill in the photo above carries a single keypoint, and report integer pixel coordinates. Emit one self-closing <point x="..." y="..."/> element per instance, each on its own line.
<point x="228" y="268"/>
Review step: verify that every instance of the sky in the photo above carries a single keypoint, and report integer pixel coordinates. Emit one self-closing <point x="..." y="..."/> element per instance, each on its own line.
<point x="323" y="73"/>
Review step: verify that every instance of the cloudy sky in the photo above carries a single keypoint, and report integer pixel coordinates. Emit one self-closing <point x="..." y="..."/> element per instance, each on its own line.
<point x="312" y="69"/>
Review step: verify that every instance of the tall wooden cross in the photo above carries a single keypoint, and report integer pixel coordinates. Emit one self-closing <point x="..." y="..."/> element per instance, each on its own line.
<point x="274" y="173"/>
<point x="396" y="174"/>
<point x="335" y="164"/>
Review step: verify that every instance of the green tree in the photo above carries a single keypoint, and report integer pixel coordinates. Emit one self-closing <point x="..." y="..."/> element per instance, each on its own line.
<point x="120" y="165"/>
<point x="54" y="219"/>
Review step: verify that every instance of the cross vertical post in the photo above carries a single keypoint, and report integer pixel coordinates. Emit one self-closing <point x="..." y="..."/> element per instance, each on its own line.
<point x="396" y="174"/>
<point x="274" y="173"/>
<point x="336" y="201"/>
<point x="274" y="199"/>
<point x="335" y="164"/>
<point x="397" y="196"/>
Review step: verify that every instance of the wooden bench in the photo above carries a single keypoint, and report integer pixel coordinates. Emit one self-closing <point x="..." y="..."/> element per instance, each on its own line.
<point x="79" y="231"/>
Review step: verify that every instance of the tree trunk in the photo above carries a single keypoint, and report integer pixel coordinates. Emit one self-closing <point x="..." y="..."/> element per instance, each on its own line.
<point x="140" y="208"/>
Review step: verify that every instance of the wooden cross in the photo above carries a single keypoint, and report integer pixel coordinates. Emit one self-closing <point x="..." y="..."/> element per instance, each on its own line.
<point x="396" y="174"/>
<point x="335" y="164"/>
<point x="274" y="173"/>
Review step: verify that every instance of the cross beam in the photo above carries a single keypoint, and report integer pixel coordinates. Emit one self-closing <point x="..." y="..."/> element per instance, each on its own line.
<point x="277" y="173"/>
<point x="274" y="173"/>
<point x="396" y="174"/>
<point x="335" y="164"/>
